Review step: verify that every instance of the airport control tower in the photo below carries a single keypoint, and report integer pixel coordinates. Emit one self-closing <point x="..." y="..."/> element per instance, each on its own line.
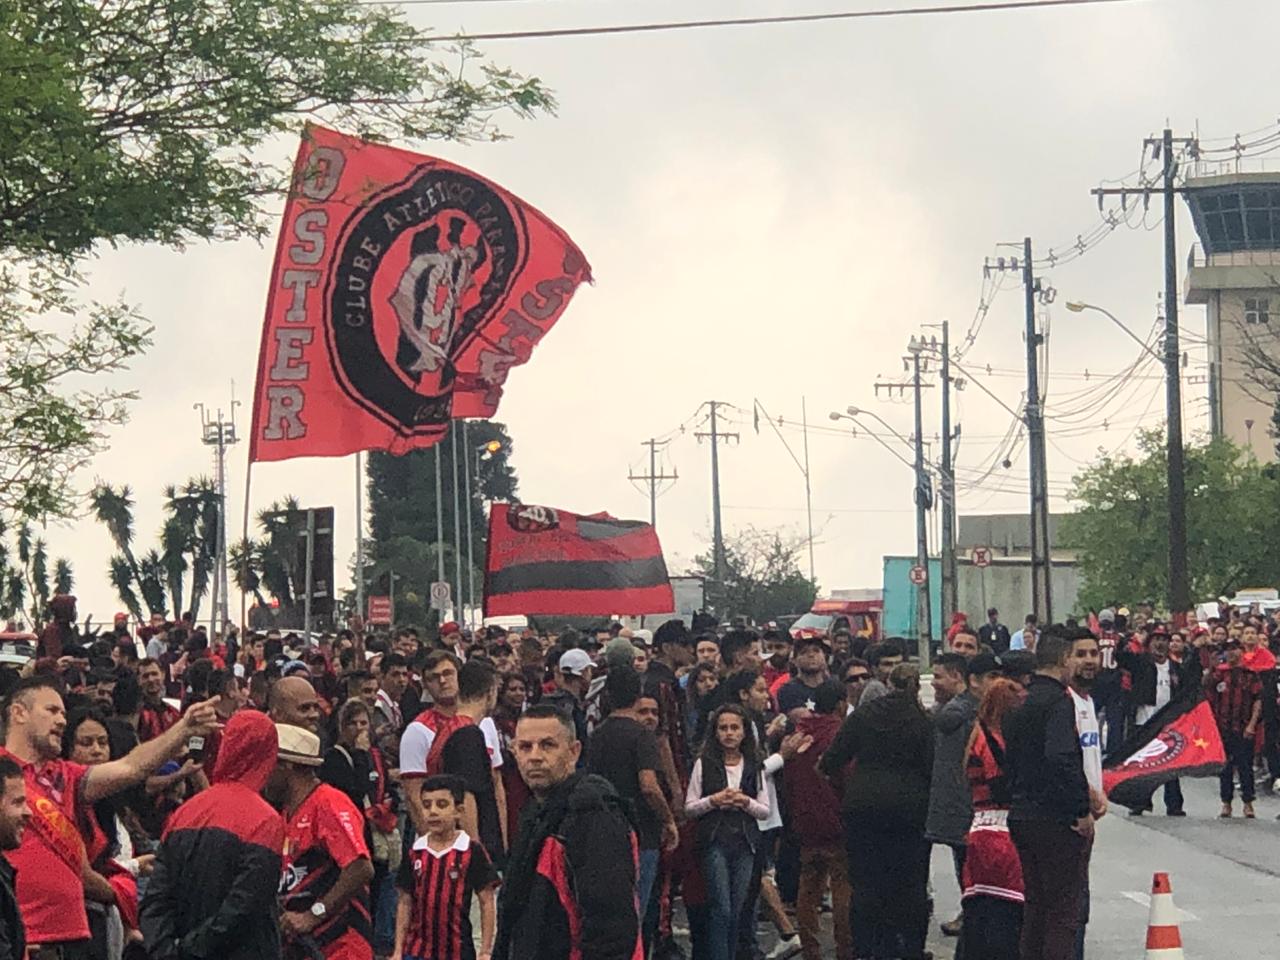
<point x="1235" y="272"/>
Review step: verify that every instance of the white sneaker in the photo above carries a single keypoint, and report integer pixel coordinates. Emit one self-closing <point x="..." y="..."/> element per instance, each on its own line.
<point x="785" y="949"/>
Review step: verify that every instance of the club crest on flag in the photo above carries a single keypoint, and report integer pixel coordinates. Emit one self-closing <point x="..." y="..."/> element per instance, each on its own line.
<point x="404" y="291"/>
<point x="1164" y="749"/>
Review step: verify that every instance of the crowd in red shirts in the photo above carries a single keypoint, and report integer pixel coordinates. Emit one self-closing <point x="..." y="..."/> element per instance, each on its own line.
<point x="353" y="797"/>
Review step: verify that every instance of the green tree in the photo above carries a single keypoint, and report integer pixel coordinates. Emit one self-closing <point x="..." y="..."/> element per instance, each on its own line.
<point x="402" y="508"/>
<point x="25" y="589"/>
<point x="1120" y="532"/>
<point x="143" y="121"/>
<point x="763" y="579"/>
<point x="187" y="544"/>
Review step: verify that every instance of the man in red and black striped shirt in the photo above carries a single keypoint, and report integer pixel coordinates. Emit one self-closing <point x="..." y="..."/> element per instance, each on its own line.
<point x="437" y="880"/>
<point x="1235" y="696"/>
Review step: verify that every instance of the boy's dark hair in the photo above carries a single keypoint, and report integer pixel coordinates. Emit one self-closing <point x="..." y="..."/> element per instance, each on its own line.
<point x="456" y="786"/>
<point x="476" y="679"/>
<point x="272" y="648"/>
<point x="893" y="647"/>
<point x="219" y="680"/>
<point x="954" y="662"/>
<point x="622" y="686"/>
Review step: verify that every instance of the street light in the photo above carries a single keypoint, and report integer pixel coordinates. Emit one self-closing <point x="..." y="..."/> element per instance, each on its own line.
<point x="1076" y="306"/>
<point x="857" y="412"/>
<point x="853" y="413"/>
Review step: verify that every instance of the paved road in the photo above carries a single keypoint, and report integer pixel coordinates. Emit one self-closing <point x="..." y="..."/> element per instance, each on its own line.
<point x="1225" y="875"/>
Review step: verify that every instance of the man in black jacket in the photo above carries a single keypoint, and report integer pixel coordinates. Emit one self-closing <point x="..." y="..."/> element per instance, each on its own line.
<point x="569" y="889"/>
<point x="213" y="892"/>
<point x="994" y="633"/>
<point x="14" y="815"/>
<point x="1050" y="818"/>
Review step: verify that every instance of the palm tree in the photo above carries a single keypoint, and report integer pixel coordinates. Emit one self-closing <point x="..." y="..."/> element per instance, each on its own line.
<point x="121" y="576"/>
<point x="114" y="509"/>
<point x="245" y="560"/>
<point x="151" y="582"/>
<point x="63" y="579"/>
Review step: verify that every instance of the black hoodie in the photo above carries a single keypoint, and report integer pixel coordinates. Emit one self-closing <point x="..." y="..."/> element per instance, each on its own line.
<point x="890" y="742"/>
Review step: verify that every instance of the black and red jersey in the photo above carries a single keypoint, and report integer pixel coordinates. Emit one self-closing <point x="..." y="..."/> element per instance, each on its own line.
<point x="323" y="836"/>
<point x="441" y="884"/>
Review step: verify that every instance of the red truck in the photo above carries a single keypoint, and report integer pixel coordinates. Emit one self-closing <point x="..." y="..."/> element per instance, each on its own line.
<point x="863" y="618"/>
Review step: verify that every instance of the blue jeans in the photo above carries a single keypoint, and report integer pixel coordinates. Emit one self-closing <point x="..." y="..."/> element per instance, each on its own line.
<point x="727" y="872"/>
<point x="646" y="874"/>
<point x="385" y="897"/>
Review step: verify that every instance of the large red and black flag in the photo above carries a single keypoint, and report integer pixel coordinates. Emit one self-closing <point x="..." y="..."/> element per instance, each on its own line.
<point x="404" y="289"/>
<point x="1181" y="740"/>
<point x="546" y="561"/>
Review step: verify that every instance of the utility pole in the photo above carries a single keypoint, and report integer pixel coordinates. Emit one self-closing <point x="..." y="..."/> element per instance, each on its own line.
<point x="1179" y="592"/>
<point x="950" y="587"/>
<point x="717" y="528"/>
<point x="653" y="477"/>
<point x="924" y="608"/>
<point x="219" y="434"/>
<point x="1041" y="571"/>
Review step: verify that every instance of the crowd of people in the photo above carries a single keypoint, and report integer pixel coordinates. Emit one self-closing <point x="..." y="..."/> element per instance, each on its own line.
<point x="514" y="796"/>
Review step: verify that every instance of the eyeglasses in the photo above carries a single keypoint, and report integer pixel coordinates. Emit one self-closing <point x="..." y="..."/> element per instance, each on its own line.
<point x="857" y="678"/>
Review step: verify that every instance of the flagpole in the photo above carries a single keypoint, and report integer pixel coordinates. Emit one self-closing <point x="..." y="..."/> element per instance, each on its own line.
<point x="359" y="535"/>
<point x="457" y="526"/>
<point x="471" y="564"/>
<point x="439" y="522"/>
<point x="244" y="543"/>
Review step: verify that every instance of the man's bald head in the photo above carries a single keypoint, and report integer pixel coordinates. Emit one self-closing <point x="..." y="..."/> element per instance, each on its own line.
<point x="293" y="700"/>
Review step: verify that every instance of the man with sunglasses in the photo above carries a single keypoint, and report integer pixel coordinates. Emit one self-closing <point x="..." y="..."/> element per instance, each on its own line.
<point x="856" y="675"/>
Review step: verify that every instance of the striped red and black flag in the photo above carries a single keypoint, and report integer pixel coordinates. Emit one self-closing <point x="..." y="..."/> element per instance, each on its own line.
<point x="1181" y="740"/>
<point x="546" y="561"/>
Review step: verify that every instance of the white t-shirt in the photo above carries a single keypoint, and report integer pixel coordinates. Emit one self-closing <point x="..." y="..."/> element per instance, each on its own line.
<point x="415" y="746"/>
<point x="1164" y="693"/>
<point x="1090" y="740"/>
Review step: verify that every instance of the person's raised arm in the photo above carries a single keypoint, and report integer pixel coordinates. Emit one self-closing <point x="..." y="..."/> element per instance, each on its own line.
<point x="107" y="779"/>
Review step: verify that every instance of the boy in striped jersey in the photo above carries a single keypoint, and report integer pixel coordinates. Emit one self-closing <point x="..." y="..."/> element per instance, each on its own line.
<point x="437" y="880"/>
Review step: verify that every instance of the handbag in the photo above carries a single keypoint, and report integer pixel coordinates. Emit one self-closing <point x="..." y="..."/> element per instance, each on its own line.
<point x="384" y="846"/>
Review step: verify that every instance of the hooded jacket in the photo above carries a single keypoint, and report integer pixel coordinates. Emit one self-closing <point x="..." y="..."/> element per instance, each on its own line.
<point x="950" y="806"/>
<point x="213" y="892"/>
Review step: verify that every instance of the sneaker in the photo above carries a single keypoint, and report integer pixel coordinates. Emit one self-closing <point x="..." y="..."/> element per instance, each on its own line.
<point x="952" y="928"/>
<point x="785" y="948"/>
<point x="1137" y="812"/>
<point x="1248" y="811"/>
<point x="1225" y="813"/>
<point x="1175" y="813"/>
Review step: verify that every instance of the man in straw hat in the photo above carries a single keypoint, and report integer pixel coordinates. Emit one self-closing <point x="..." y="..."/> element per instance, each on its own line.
<point x="326" y="864"/>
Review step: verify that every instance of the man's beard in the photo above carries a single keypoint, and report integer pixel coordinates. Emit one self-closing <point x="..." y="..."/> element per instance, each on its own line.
<point x="1083" y="682"/>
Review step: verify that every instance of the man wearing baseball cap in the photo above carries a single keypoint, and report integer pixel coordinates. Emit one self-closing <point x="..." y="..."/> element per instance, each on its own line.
<point x="455" y="641"/>
<point x="810" y="657"/>
<point x="573" y="680"/>
<point x="325" y="891"/>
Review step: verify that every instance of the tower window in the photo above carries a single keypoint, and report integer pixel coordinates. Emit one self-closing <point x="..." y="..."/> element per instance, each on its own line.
<point x="1257" y="310"/>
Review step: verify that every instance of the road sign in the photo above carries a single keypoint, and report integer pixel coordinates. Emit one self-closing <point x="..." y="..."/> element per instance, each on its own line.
<point x="981" y="556"/>
<point x="380" y="611"/>
<point x="918" y="575"/>
<point x="440" y="595"/>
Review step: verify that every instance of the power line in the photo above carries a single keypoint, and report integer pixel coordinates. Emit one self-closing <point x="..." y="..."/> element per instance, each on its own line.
<point x="669" y="25"/>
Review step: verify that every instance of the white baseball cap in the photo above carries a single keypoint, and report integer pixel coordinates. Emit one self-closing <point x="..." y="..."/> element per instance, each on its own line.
<point x="575" y="662"/>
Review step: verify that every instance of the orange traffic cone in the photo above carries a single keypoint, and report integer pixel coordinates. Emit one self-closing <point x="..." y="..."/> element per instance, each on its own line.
<point x="1164" y="939"/>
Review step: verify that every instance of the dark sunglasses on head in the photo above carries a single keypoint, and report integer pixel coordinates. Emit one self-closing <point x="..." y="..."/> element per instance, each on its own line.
<point x="857" y="677"/>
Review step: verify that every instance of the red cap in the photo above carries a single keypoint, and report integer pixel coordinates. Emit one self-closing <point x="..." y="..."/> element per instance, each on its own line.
<point x="122" y="616"/>
<point x="448" y="628"/>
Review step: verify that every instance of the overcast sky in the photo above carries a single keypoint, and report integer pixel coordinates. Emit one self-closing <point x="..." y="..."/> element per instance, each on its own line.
<point x="769" y="213"/>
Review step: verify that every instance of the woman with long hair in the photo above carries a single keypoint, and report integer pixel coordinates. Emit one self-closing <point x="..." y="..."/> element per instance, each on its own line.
<point x="991" y="883"/>
<point x="512" y="694"/>
<point x="728" y="797"/>
<point x="111" y="879"/>
<point x="700" y="700"/>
